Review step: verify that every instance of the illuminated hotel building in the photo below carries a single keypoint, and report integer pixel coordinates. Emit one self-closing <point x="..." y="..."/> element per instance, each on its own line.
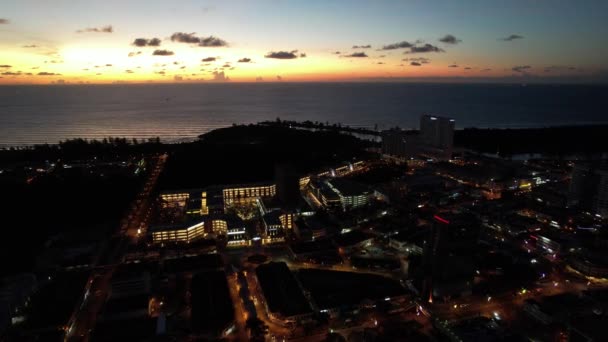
<point x="352" y="195"/>
<point x="178" y="233"/>
<point x="219" y="227"/>
<point x="246" y="193"/>
<point x="272" y="224"/>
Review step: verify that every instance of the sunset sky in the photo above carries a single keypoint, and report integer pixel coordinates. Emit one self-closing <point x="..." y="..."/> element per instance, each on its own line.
<point x="63" y="41"/>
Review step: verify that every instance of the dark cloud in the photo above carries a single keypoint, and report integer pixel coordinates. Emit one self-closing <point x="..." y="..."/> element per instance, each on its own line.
<point x="487" y="69"/>
<point x="450" y="39"/>
<point x="468" y="68"/>
<point x="209" y="59"/>
<point x="162" y="53"/>
<point x="183" y="37"/>
<point x="380" y="63"/>
<point x="337" y="53"/>
<point x="133" y="54"/>
<point x="30" y="46"/>
<point x="4" y="21"/>
<point x="400" y="45"/>
<point x="104" y="29"/>
<point x="559" y="68"/>
<point x="227" y="65"/>
<point x="244" y="60"/>
<point x="178" y="78"/>
<point x="129" y="71"/>
<point x="357" y="55"/>
<point x="282" y="54"/>
<point x="453" y="66"/>
<point x="141" y="42"/>
<point x="521" y="68"/>
<point x="421" y="60"/>
<point x="279" y="78"/>
<point x="191" y="38"/>
<point x="415" y="64"/>
<point x="259" y="79"/>
<point x="212" y="41"/>
<point x="6" y="66"/>
<point x="44" y="73"/>
<point x="183" y="67"/>
<point x="424" y="48"/>
<point x="302" y="55"/>
<point x="511" y="37"/>
<point x="362" y="46"/>
<point x="108" y="65"/>
<point x="11" y="73"/>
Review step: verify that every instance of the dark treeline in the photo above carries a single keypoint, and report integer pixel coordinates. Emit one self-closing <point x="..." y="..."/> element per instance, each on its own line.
<point x="556" y="141"/>
<point x="320" y="126"/>
<point x="242" y="154"/>
<point x="77" y="149"/>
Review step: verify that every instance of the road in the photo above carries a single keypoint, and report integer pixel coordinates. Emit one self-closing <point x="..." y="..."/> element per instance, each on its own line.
<point x="97" y="290"/>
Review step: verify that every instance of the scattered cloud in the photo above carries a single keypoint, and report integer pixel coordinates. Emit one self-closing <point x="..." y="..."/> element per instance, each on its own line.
<point x="337" y="53"/>
<point x="6" y="66"/>
<point x="244" y="60"/>
<point x="362" y="46"/>
<point x="283" y="54"/>
<point x="279" y="78"/>
<point x="468" y="68"/>
<point x="453" y="66"/>
<point x="129" y="71"/>
<point x="424" y="48"/>
<point x="11" y="73"/>
<point x="220" y="77"/>
<point x="4" y="21"/>
<point x="135" y="53"/>
<point x="521" y="68"/>
<point x="259" y="79"/>
<point x="400" y="45"/>
<point x="183" y="37"/>
<point x="302" y="55"/>
<point x="191" y="38"/>
<point x="486" y="69"/>
<point x="108" y="65"/>
<point x="208" y="59"/>
<point x="380" y="63"/>
<point x="558" y="68"/>
<point x="104" y="29"/>
<point x="450" y="39"/>
<point x="44" y="73"/>
<point x="178" y="78"/>
<point x="511" y="38"/>
<point x="162" y="53"/>
<point x="141" y="42"/>
<point x="30" y="46"/>
<point x="357" y="55"/>
<point x="415" y="64"/>
<point x="212" y="41"/>
<point x="421" y="60"/>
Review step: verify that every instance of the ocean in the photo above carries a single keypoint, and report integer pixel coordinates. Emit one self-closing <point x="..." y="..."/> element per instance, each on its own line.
<point x="177" y="112"/>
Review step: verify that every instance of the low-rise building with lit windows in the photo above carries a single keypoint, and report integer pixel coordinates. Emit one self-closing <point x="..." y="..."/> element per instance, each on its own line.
<point x="247" y="192"/>
<point x="272" y="224"/>
<point x="184" y="232"/>
<point x="351" y="195"/>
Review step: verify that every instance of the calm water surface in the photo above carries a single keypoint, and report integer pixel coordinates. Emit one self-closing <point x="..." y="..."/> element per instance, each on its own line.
<point x="48" y="114"/>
